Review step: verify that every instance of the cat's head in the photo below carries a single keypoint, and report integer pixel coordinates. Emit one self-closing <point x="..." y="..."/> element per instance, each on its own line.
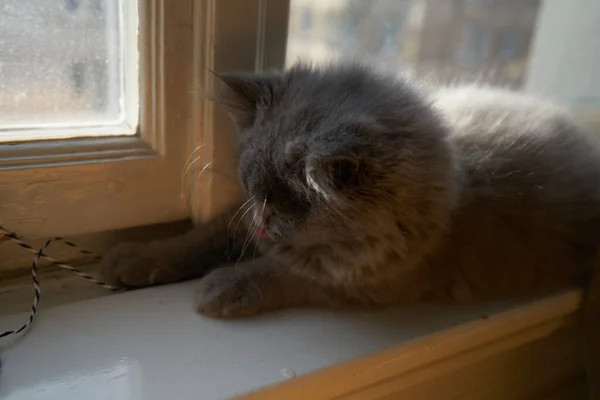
<point x="325" y="150"/>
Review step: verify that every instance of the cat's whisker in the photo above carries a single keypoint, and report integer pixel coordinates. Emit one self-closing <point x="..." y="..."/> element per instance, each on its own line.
<point x="189" y="166"/>
<point x="187" y="163"/>
<point x="262" y="214"/>
<point x="233" y="218"/>
<point x="252" y="235"/>
<point x="194" y="202"/>
<point x="201" y="171"/>
<point x="185" y="186"/>
<point x="207" y="166"/>
<point x="186" y="166"/>
<point x="194" y="152"/>
<point x="237" y="212"/>
<point x="238" y="224"/>
<point x="255" y="247"/>
<point x="252" y="230"/>
<point x="248" y="239"/>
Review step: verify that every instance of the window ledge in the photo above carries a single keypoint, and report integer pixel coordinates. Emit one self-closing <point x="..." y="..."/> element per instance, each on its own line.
<point x="150" y="344"/>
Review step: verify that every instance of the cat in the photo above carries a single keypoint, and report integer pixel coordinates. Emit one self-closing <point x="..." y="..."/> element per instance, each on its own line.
<point x="368" y="190"/>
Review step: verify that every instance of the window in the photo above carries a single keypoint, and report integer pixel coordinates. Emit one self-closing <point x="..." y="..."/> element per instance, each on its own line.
<point x="72" y="72"/>
<point x="82" y="144"/>
<point x="332" y="28"/>
<point x="350" y="28"/>
<point x="474" y="44"/>
<point x="72" y="5"/>
<point x="531" y="44"/>
<point x="509" y="46"/>
<point x="102" y="103"/>
<point x="306" y="21"/>
<point x="480" y="2"/>
<point x="565" y="54"/>
<point x="77" y="177"/>
<point x="93" y="133"/>
<point x="389" y="36"/>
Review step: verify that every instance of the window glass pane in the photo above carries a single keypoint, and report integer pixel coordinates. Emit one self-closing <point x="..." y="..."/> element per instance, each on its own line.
<point x="545" y="46"/>
<point x="68" y="68"/>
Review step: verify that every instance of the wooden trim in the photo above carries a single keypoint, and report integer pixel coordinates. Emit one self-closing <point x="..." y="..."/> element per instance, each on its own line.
<point x="82" y="186"/>
<point x="68" y="187"/>
<point x="72" y="151"/>
<point x="153" y="67"/>
<point x="98" y="148"/>
<point x="252" y="38"/>
<point x="401" y="369"/>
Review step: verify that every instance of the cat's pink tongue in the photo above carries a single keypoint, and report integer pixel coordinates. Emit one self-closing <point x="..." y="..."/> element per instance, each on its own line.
<point x="261" y="233"/>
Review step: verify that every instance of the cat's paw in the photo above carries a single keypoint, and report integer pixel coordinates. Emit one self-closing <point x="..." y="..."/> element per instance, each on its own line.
<point x="133" y="265"/>
<point x="229" y="293"/>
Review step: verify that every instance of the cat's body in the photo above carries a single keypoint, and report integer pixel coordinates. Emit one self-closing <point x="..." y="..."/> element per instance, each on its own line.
<point x="370" y="191"/>
<point x="527" y="217"/>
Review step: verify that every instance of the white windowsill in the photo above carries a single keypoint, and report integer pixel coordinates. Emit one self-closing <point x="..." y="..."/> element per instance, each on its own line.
<point x="149" y="344"/>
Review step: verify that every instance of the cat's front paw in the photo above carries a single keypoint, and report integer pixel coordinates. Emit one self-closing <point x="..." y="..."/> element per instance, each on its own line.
<point x="133" y="265"/>
<point x="229" y="292"/>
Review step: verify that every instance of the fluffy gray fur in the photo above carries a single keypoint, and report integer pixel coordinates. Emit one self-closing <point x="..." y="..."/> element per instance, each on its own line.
<point x="376" y="192"/>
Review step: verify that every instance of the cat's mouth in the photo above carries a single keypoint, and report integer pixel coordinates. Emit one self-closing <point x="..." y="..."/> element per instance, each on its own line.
<point x="261" y="233"/>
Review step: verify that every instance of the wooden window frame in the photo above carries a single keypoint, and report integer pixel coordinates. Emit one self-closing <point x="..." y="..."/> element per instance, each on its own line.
<point x="87" y="185"/>
<point x="258" y="42"/>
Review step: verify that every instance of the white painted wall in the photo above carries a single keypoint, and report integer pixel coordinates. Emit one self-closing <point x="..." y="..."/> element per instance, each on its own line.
<point x="565" y="58"/>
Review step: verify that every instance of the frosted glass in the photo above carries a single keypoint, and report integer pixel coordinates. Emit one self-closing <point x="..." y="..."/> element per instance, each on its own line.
<point x="63" y="65"/>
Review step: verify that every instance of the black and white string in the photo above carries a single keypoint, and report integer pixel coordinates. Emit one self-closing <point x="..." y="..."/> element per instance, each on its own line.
<point x="38" y="255"/>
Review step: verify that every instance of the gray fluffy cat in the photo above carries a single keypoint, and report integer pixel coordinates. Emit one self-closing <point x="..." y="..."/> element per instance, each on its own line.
<point x="367" y="190"/>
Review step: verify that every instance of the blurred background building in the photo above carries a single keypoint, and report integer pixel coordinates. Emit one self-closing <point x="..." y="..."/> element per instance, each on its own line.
<point x="65" y="58"/>
<point x="486" y="40"/>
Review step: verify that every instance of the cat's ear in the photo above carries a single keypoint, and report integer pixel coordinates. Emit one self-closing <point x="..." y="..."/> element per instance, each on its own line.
<point x="244" y="93"/>
<point x="327" y="175"/>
